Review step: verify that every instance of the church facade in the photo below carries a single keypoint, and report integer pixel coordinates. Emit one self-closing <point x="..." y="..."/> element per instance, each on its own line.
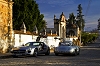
<point x="65" y="29"/>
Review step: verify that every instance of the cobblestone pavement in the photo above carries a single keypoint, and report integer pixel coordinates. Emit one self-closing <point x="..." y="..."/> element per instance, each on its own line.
<point x="8" y="55"/>
<point x="89" y="56"/>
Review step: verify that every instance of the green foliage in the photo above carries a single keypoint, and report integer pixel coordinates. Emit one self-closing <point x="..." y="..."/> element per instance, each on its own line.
<point x="80" y="22"/>
<point x="71" y="18"/>
<point x="27" y="11"/>
<point x="88" y="37"/>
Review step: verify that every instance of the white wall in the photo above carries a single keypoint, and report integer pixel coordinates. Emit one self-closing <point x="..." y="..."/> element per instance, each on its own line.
<point x="22" y="39"/>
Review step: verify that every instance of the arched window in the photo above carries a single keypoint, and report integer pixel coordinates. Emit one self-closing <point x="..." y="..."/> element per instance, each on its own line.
<point x="71" y="33"/>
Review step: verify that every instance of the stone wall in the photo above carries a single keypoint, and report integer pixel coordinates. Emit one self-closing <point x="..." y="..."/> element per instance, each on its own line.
<point x="5" y="18"/>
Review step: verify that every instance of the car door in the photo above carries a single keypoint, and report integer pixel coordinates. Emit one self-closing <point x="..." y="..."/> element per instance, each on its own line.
<point x="76" y="47"/>
<point x="43" y="48"/>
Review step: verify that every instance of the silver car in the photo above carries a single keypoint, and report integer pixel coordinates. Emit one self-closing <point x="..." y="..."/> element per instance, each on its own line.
<point x="67" y="47"/>
<point x="31" y="48"/>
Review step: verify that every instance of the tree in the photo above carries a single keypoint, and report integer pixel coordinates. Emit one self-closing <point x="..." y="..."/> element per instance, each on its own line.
<point x="88" y="37"/>
<point x="27" y="11"/>
<point x="80" y="22"/>
<point x="71" y="18"/>
<point x="41" y="23"/>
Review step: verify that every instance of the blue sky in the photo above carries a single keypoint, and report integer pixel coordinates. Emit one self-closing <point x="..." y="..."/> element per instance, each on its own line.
<point x="91" y="10"/>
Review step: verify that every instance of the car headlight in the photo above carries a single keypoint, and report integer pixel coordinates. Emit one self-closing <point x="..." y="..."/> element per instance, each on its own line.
<point x="29" y="49"/>
<point x="72" y="50"/>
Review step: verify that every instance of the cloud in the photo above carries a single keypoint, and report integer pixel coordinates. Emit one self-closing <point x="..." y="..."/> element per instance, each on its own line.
<point x="48" y="16"/>
<point x="49" y="19"/>
<point x="91" y="22"/>
<point x="55" y="7"/>
<point x="54" y="3"/>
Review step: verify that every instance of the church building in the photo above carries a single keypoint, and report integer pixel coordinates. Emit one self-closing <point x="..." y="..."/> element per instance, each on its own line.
<point x="65" y="29"/>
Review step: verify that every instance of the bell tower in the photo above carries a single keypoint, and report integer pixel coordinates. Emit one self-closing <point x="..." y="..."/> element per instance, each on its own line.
<point x="62" y="26"/>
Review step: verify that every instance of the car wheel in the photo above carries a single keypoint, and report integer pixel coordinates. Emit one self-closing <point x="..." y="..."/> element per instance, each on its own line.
<point x="75" y="53"/>
<point x="78" y="52"/>
<point x="35" y="53"/>
<point x="48" y="52"/>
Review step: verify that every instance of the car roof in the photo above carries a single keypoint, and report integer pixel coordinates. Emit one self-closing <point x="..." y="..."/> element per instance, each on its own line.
<point x="37" y="42"/>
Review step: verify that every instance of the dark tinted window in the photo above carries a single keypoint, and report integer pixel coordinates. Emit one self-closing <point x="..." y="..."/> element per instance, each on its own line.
<point x="32" y="44"/>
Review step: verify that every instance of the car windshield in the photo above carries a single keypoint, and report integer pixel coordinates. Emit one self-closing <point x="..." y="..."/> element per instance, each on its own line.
<point x="65" y="43"/>
<point x="32" y="44"/>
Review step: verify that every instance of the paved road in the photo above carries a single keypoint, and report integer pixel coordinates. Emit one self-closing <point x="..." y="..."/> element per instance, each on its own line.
<point x="89" y="56"/>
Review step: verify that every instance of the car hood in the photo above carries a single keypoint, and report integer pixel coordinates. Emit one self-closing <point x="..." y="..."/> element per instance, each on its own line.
<point x="64" y="47"/>
<point x="22" y="48"/>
